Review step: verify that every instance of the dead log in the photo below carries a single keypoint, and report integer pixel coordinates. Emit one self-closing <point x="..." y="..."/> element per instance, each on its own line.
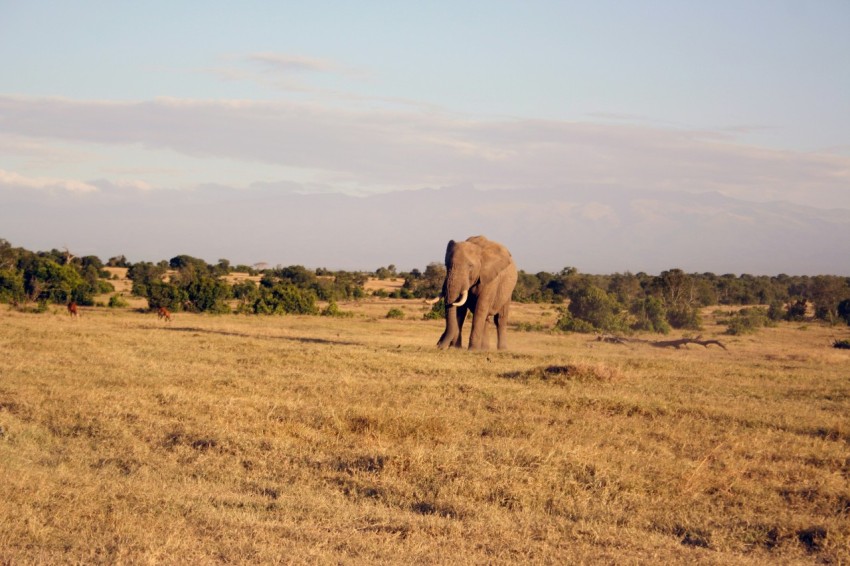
<point x="612" y="339"/>
<point x="683" y="341"/>
<point x="661" y="343"/>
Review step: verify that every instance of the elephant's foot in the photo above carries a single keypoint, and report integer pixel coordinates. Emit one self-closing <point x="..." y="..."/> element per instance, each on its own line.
<point x="446" y="343"/>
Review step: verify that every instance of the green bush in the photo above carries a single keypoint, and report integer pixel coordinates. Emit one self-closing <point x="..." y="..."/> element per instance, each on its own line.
<point x="796" y="311"/>
<point x="437" y="312"/>
<point x="143" y="274"/>
<point x="117" y="302"/>
<point x="844" y="310"/>
<point x="395" y="313"/>
<point x="528" y="326"/>
<point x="104" y="287"/>
<point x="591" y="309"/>
<point x="650" y="315"/>
<point x="568" y="323"/>
<point x="776" y="311"/>
<point x="208" y="294"/>
<point x="245" y="290"/>
<point x="748" y="321"/>
<point x="285" y="298"/>
<point x="333" y="310"/>
<point x="162" y="294"/>
<point x="685" y="316"/>
<point x="11" y="286"/>
<point x="46" y="280"/>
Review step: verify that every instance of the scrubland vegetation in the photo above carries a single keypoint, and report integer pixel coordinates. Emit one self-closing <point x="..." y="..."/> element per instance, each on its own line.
<point x="347" y="438"/>
<point x="618" y="303"/>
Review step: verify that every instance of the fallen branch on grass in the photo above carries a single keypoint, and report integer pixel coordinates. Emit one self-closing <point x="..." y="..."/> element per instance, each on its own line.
<point x="661" y="343"/>
<point x="683" y="341"/>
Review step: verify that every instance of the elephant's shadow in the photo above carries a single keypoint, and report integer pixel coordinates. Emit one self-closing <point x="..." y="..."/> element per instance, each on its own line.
<point x="301" y="339"/>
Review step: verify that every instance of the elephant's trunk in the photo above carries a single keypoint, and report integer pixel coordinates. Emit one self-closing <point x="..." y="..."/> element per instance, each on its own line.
<point x="449" y="337"/>
<point x="455" y="292"/>
<point x="456" y="288"/>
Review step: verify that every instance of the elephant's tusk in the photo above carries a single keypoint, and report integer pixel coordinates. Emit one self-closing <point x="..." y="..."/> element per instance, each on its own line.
<point x="434" y="301"/>
<point x="462" y="299"/>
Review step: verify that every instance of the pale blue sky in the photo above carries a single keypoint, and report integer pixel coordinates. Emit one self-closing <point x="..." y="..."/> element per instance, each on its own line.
<point x="750" y="99"/>
<point x="775" y="65"/>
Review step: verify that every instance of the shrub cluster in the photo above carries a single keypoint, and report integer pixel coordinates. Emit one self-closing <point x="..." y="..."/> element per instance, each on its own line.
<point x="333" y="310"/>
<point x="437" y="312"/>
<point x="49" y="277"/>
<point x="592" y="309"/>
<point x="748" y="321"/>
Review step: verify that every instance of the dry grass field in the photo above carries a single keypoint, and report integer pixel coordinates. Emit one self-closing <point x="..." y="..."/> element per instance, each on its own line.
<point x="388" y="285"/>
<point x="237" y="439"/>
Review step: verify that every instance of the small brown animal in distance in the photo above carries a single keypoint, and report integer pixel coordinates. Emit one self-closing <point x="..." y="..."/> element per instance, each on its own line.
<point x="72" y="309"/>
<point x="162" y="312"/>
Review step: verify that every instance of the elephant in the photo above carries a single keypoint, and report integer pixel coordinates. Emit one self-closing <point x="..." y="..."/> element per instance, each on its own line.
<point x="480" y="277"/>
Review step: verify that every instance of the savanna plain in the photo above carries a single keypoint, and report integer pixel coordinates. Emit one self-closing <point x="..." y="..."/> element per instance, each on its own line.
<point x="289" y="439"/>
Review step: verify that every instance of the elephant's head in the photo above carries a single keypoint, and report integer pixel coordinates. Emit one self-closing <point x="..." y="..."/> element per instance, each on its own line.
<point x="470" y="266"/>
<point x="477" y="261"/>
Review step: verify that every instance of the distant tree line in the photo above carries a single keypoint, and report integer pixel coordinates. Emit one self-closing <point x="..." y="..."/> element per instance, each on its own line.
<point x="49" y="277"/>
<point x="674" y="299"/>
<point x="589" y="303"/>
<point x="625" y="302"/>
<point x="187" y="283"/>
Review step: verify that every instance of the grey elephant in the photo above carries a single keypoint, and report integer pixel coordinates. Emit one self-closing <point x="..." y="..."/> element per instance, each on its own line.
<point x="480" y="278"/>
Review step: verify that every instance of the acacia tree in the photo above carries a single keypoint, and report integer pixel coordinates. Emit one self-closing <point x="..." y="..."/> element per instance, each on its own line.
<point x="678" y="292"/>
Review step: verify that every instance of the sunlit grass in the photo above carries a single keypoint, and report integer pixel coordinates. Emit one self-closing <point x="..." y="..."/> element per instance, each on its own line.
<point x="310" y="439"/>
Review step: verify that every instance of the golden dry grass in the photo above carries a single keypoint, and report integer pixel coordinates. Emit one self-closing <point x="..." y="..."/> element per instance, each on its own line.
<point x="240" y="277"/>
<point x="125" y="439"/>
<point x="373" y="284"/>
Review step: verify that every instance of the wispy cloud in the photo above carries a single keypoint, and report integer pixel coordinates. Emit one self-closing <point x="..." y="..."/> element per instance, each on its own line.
<point x="385" y="149"/>
<point x="287" y="72"/>
<point x="10" y="179"/>
<point x="295" y="63"/>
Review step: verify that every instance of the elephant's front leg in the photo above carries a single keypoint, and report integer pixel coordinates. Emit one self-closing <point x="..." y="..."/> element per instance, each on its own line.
<point x="478" y="337"/>
<point x="461" y="317"/>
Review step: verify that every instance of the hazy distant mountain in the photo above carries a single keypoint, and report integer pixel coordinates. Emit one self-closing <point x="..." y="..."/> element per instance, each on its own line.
<point x="597" y="230"/>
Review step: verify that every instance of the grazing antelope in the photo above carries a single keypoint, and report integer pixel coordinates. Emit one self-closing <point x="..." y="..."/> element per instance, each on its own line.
<point x="72" y="309"/>
<point x="163" y="312"/>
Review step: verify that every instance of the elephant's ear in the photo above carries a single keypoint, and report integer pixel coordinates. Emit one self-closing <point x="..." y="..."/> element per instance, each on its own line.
<point x="450" y="250"/>
<point x="494" y="260"/>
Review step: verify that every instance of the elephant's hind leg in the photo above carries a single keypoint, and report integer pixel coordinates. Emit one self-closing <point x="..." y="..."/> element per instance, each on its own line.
<point x="501" y="320"/>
